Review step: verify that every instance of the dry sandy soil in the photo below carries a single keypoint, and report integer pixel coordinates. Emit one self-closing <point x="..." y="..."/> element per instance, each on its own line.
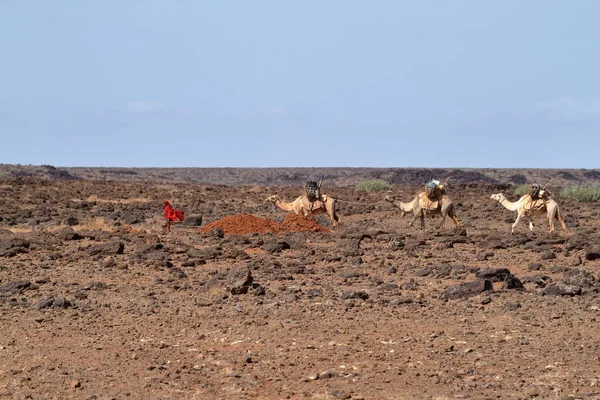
<point x="96" y="302"/>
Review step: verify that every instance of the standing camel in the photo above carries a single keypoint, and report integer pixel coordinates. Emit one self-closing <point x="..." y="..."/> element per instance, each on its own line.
<point x="302" y="206"/>
<point x="527" y="207"/>
<point x="422" y="205"/>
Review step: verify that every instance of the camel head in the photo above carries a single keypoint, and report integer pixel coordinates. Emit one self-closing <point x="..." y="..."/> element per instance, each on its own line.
<point x="273" y="199"/>
<point x="497" y="197"/>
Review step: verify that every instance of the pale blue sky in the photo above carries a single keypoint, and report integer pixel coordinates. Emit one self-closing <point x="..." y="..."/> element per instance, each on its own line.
<point x="254" y="83"/>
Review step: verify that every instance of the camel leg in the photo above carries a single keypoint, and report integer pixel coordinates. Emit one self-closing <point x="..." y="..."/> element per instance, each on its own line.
<point x="561" y="222"/>
<point x="443" y="221"/>
<point x="551" y="222"/>
<point x="515" y="224"/>
<point x="454" y="219"/>
<point x="422" y="216"/>
<point x="531" y="224"/>
<point x="413" y="219"/>
<point x="332" y="215"/>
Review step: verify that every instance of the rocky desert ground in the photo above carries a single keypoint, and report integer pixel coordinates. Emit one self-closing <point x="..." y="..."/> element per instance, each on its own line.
<point x="242" y="302"/>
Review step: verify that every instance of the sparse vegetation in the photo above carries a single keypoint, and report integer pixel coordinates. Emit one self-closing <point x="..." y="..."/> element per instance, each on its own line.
<point x="586" y="194"/>
<point x="521" y="190"/>
<point x="373" y="185"/>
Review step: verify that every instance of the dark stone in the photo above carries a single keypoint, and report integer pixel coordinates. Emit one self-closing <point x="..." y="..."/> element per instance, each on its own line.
<point x="68" y="234"/>
<point x="131" y="219"/>
<point x="539" y="280"/>
<point x="106" y="249"/>
<point x="397" y="244"/>
<point x="95" y="286"/>
<point x="45" y="303"/>
<point x="389" y="287"/>
<point x="535" y="267"/>
<point x="239" y="280"/>
<point x="276" y="246"/>
<point x="592" y="254"/>
<point x="72" y="221"/>
<point x="60" y="302"/>
<point x="467" y="289"/>
<point x="511" y="306"/>
<point x="354" y="294"/>
<point x="547" y="255"/>
<point x="257" y="290"/>
<point x="193" y="220"/>
<point x="512" y="282"/>
<point x="352" y="274"/>
<point x="177" y="272"/>
<point x="561" y="290"/>
<point x="484" y="256"/>
<point x="204" y="254"/>
<point x="13" y="246"/>
<point x="14" y="287"/>
<point x="423" y="272"/>
<point x="401" y="301"/>
<point x="315" y="292"/>
<point x="356" y="261"/>
<point x="579" y="277"/>
<point x="494" y="274"/>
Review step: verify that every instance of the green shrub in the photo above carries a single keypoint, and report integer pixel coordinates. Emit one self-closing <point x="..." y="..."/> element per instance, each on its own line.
<point x="521" y="190"/>
<point x="582" y="193"/>
<point x="373" y="185"/>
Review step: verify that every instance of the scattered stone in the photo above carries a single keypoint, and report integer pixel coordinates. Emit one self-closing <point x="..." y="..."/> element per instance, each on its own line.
<point x="315" y="292"/>
<point x="193" y="220"/>
<point x="356" y="261"/>
<point x="13" y="246"/>
<point x="423" y="272"/>
<point x="106" y="248"/>
<point x="547" y="255"/>
<point x="512" y="282"/>
<point x="94" y="286"/>
<point x="401" y="301"/>
<point x="579" y="277"/>
<point x="592" y="254"/>
<point x="67" y="234"/>
<point x="354" y="294"/>
<point x="72" y="221"/>
<point x="467" y="289"/>
<point x="535" y="267"/>
<point x="484" y="256"/>
<point x="330" y="373"/>
<point x="177" y="272"/>
<point x="511" y="306"/>
<point x="131" y="219"/>
<point x="239" y="280"/>
<point x="13" y="288"/>
<point x="561" y="290"/>
<point x="494" y="274"/>
<point x="276" y="246"/>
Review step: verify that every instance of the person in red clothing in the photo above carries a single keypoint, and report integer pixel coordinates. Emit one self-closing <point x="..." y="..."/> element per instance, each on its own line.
<point x="171" y="215"/>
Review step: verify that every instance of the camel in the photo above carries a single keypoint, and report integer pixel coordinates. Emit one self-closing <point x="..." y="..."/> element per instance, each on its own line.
<point x="422" y="205"/>
<point x="302" y="206"/>
<point x="526" y="207"/>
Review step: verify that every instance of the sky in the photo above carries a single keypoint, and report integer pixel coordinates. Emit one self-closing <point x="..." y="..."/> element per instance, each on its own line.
<point x="312" y="83"/>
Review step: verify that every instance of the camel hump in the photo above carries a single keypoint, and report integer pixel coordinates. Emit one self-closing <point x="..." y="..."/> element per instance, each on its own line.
<point x="535" y="204"/>
<point x="427" y="204"/>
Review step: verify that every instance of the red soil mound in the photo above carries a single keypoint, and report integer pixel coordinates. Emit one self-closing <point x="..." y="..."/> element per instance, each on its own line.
<point x="293" y="222"/>
<point x="241" y="224"/>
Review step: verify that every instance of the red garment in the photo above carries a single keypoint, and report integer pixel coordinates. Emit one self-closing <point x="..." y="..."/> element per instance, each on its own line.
<point x="171" y="214"/>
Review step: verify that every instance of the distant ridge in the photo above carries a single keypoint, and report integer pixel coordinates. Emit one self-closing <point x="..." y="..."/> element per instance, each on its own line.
<point x="290" y="176"/>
